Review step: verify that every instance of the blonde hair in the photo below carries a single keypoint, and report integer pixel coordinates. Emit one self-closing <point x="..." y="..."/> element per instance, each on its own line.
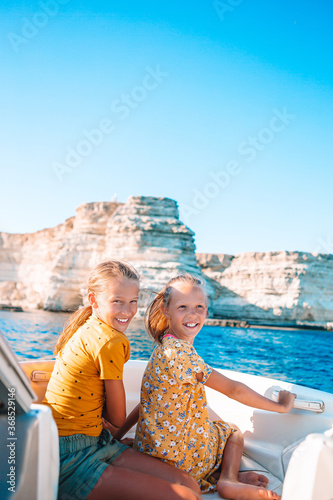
<point x="97" y="281"/>
<point x="155" y="321"/>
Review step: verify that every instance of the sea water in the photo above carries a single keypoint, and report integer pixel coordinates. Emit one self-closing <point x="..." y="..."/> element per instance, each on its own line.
<point x="300" y="356"/>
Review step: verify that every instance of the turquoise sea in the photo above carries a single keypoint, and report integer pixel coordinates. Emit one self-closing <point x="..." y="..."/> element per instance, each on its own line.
<point x="301" y="356"/>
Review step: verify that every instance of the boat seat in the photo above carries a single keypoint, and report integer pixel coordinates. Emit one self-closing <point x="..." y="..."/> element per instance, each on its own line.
<point x="287" y="453"/>
<point x="39" y="373"/>
<point x="247" y="464"/>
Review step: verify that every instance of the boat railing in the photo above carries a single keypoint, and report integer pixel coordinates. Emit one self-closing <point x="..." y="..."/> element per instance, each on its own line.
<point x="302" y="404"/>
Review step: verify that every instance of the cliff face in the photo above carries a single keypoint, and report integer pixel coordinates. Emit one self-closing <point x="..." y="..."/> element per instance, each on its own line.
<point x="272" y="287"/>
<point x="46" y="269"/>
<point x="43" y="270"/>
<point x="147" y="232"/>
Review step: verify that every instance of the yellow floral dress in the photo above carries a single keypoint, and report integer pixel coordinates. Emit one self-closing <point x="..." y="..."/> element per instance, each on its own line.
<point x="173" y="422"/>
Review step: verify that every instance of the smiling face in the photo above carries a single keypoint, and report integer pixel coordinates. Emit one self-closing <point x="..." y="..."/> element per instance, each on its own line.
<point x="186" y="311"/>
<point x="117" y="304"/>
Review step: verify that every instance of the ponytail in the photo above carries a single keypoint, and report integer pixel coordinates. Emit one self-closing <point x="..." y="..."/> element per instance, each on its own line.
<point x="155" y="322"/>
<point x="77" y="319"/>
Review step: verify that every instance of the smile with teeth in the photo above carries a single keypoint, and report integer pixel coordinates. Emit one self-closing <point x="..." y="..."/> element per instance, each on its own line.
<point x="122" y="320"/>
<point x="191" y="325"/>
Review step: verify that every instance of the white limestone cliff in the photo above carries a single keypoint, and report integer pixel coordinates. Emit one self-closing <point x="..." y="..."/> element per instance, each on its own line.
<point x="279" y="288"/>
<point x="46" y="269"/>
<point x="147" y="232"/>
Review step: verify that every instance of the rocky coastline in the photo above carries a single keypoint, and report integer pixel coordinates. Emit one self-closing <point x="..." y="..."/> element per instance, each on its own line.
<point x="46" y="269"/>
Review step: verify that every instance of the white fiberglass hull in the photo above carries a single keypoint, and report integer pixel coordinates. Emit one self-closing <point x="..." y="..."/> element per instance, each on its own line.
<point x="270" y="438"/>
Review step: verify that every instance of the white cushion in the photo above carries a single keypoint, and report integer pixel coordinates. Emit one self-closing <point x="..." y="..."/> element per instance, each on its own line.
<point x="309" y="475"/>
<point x="287" y="453"/>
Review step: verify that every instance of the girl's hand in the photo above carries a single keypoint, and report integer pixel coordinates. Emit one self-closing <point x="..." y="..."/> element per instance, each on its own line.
<point x="109" y="427"/>
<point x="114" y="430"/>
<point x="127" y="441"/>
<point x="286" y="400"/>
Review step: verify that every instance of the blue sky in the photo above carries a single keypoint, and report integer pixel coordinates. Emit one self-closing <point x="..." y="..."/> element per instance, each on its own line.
<point x="223" y="106"/>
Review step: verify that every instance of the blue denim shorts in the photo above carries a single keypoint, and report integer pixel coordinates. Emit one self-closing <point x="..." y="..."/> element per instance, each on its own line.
<point x="82" y="462"/>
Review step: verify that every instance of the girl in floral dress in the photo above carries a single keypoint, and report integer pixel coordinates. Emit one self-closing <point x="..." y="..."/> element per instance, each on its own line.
<point x="173" y="420"/>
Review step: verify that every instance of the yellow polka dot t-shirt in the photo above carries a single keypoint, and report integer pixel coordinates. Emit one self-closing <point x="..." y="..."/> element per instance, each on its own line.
<point x="75" y="392"/>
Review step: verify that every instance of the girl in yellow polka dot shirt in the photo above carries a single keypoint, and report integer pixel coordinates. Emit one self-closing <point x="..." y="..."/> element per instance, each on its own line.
<point x="86" y="384"/>
<point x="173" y="420"/>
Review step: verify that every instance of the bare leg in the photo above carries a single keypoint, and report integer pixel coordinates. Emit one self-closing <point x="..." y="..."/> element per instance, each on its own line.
<point x="247" y="477"/>
<point x="136" y="476"/>
<point x="229" y="484"/>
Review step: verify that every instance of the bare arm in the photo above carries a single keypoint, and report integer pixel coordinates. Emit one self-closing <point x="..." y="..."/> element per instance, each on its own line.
<point x="242" y="393"/>
<point x="131" y="420"/>
<point x="115" y="402"/>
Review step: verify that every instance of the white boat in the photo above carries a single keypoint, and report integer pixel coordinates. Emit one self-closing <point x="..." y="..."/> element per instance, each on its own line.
<point x="294" y="450"/>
